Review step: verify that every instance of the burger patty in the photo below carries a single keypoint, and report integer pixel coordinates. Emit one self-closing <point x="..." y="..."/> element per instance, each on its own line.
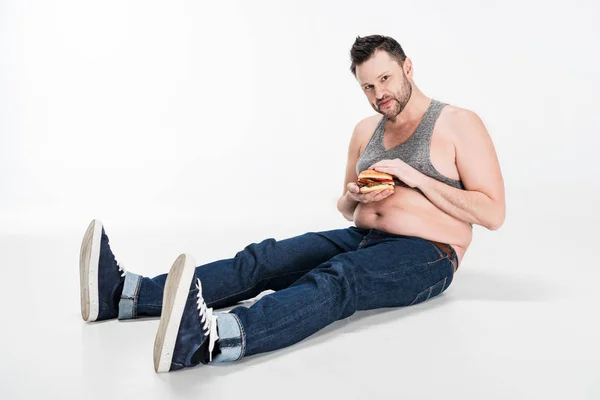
<point x="373" y="182"/>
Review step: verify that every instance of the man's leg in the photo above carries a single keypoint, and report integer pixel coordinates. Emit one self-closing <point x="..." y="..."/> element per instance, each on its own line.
<point x="268" y="265"/>
<point x="387" y="271"/>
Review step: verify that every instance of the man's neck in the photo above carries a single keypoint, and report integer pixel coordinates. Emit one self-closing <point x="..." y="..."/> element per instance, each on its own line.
<point x="414" y="111"/>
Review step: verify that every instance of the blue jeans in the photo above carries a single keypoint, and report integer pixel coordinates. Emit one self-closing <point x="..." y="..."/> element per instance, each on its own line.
<point x="318" y="278"/>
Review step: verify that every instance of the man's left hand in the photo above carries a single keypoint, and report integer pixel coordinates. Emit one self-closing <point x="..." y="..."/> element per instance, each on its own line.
<point x="401" y="170"/>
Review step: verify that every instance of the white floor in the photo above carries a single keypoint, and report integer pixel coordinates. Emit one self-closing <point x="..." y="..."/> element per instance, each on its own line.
<point x="520" y="321"/>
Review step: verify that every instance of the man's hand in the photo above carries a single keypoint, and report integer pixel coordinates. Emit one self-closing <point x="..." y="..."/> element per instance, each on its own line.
<point x="355" y="194"/>
<point x="400" y="170"/>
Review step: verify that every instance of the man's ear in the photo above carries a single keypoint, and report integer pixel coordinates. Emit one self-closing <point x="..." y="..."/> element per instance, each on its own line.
<point x="408" y="67"/>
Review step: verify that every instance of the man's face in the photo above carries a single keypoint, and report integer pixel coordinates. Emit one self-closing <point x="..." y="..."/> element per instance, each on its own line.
<point x="385" y="84"/>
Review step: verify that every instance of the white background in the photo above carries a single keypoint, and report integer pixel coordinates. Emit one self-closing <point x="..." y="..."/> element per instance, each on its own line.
<point x="204" y="126"/>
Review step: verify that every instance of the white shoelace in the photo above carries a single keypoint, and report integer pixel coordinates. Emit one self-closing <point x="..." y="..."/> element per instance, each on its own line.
<point x="121" y="268"/>
<point x="209" y="320"/>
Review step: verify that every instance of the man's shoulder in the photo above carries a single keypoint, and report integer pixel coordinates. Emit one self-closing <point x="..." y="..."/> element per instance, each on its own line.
<point x="457" y="115"/>
<point x="364" y="129"/>
<point x="366" y="126"/>
<point x="456" y="119"/>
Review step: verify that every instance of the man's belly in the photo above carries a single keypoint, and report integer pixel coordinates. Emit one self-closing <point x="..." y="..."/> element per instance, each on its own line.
<point x="407" y="212"/>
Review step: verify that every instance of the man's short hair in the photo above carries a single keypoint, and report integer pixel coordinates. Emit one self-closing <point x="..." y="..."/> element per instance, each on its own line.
<point x="364" y="47"/>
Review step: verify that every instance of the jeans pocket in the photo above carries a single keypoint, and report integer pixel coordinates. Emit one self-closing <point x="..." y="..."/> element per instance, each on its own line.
<point x="440" y="254"/>
<point x="430" y="292"/>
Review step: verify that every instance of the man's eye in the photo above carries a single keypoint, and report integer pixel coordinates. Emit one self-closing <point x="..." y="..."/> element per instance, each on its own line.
<point x="367" y="87"/>
<point x="384" y="77"/>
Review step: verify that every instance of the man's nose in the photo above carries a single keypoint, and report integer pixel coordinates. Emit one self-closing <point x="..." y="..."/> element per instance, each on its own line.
<point x="379" y="93"/>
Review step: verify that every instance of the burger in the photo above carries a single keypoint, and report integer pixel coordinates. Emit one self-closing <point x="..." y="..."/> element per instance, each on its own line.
<point x="370" y="180"/>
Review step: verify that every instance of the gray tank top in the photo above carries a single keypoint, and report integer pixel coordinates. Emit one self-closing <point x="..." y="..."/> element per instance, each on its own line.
<point x="414" y="151"/>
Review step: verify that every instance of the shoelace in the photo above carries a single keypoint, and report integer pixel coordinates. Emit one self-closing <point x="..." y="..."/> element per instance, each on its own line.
<point x="209" y="320"/>
<point x="121" y="268"/>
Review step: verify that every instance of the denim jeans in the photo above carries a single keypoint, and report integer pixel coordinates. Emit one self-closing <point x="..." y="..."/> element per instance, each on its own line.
<point x="318" y="278"/>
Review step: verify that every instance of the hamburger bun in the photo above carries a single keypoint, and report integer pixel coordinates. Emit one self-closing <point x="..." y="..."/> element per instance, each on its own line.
<point x="367" y="189"/>
<point x="372" y="174"/>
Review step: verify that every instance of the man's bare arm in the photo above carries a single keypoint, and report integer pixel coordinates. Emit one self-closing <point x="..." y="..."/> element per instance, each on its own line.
<point x="483" y="201"/>
<point x="346" y="205"/>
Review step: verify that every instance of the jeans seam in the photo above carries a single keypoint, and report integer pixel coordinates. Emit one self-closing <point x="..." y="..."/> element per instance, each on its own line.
<point x="421" y="292"/>
<point x="135" y="297"/>
<point x="416" y="297"/>
<point x="438" y="260"/>
<point x="430" y="289"/>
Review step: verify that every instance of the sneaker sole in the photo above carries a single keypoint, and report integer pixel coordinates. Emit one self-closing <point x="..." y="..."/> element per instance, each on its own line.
<point x="89" y="256"/>
<point x="175" y="296"/>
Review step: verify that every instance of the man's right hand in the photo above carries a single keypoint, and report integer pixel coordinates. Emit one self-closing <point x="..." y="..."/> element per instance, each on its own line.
<point x="355" y="194"/>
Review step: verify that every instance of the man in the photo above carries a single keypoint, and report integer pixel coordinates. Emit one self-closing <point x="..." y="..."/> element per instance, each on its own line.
<point x="404" y="248"/>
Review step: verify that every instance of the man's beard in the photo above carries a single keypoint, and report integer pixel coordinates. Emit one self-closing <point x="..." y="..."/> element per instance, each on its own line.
<point x="398" y="102"/>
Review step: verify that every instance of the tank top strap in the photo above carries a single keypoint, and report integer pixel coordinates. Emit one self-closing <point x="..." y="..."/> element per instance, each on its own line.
<point x="381" y="125"/>
<point x="431" y="115"/>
